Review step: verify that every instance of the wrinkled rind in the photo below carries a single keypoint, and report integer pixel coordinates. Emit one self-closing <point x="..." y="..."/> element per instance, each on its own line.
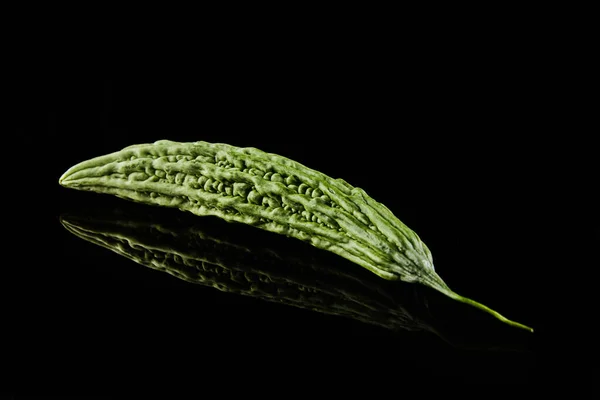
<point x="265" y="190"/>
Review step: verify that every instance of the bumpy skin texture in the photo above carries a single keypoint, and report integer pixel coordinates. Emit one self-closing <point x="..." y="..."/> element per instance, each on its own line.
<point x="265" y="190"/>
<point x="270" y="192"/>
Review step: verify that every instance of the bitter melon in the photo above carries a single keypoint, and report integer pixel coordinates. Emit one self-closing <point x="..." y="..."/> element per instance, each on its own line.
<point x="270" y="192"/>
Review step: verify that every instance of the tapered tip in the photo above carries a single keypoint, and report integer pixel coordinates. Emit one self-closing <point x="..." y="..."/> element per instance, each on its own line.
<point x="63" y="180"/>
<point x="66" y="178"/>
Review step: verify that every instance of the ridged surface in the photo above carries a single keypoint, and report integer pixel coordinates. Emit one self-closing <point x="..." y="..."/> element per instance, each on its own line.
<point x="265" y="190"/>
<point x="270" y="192"/>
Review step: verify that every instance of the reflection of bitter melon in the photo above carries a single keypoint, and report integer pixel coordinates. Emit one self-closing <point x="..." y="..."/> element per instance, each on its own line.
<point x="228" y="262"/>
<point x="270" y="192"/>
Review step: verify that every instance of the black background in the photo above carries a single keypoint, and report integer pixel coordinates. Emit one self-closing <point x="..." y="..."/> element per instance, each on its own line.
<point x="469" y="141"/>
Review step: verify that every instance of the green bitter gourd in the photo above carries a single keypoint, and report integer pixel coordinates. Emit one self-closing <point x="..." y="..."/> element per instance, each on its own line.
<point x="270" y="192"/>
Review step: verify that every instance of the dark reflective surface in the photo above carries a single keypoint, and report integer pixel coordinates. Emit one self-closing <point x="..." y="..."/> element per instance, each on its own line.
<point x="239" y="259"/>
<point x="452" y="157"/>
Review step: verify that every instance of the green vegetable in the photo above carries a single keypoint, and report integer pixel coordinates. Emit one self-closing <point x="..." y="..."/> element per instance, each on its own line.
<point x="270" y="192"/>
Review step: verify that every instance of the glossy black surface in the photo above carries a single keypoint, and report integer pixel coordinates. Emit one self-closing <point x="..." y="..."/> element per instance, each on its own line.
<point x="448" y="158"/>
